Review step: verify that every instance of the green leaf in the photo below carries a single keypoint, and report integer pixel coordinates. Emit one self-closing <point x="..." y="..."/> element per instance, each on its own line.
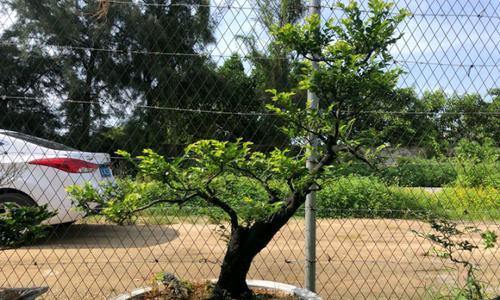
<point x="489" y="239"/>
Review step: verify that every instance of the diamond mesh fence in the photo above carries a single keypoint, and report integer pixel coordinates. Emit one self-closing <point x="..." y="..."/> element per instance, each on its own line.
<point x="82" y="79"/>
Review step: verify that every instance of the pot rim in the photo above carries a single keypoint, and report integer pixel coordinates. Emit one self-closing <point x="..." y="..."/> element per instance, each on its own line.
<point x="302" y="293"/>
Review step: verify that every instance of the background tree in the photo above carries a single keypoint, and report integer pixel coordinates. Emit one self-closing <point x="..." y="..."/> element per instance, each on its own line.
<point x="24" y="78"/>
<point x="272" y="67"/>
<point x="237" y="93"/>
<point x="69" y="40"/>
<point x="493" y="125"/>
<point x="161" y="43"/>
<point x="433" y="122"/>
<point x="129" y="54"/>
<point x="463" y="118"/>
<point x="353" y="75"/>
<point x="415" y="123"/>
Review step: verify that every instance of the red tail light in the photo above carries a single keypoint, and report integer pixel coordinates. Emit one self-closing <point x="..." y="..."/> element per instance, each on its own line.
<point x="70" y="165"/>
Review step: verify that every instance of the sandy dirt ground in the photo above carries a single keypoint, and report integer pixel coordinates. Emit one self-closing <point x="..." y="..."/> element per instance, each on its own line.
<point x="357" y="259"/>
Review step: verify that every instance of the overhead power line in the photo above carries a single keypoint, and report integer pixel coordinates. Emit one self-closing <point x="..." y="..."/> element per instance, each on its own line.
<point x="179" y="54"/>
<point x="250" y="113"/>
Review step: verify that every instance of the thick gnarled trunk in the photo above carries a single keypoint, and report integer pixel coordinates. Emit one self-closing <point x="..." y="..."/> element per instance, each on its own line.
<point x="237" y="260"/>
<point x="245" y="243"/>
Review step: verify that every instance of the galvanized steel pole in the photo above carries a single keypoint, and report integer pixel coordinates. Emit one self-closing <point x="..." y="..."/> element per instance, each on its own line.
<point x="310" y="206"/>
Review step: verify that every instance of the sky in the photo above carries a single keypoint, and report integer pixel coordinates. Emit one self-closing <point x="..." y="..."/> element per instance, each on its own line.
<point x="453" y="45"/>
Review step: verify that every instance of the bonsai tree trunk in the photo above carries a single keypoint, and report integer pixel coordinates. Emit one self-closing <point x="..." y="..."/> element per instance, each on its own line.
<point x="244" y="244"/>
<point x="234" y="269"/>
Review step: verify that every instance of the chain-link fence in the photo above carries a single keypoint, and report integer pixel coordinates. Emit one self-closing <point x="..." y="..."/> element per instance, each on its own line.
<point x="102" y="76"/>
<point x="357" y="258"/>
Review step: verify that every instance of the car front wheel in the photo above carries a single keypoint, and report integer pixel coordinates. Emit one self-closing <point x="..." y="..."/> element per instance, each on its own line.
<point x="16" y="199"/>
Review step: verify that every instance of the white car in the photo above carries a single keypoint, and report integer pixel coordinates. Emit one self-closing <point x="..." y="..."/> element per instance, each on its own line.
<point x="35" y="171"/>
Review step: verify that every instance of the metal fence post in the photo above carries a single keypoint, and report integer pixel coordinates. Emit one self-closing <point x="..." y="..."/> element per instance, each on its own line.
<point x="310" y="206"/>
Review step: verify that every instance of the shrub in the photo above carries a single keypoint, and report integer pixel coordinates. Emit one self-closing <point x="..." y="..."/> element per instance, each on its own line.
<point x="121" y="201"/>
<point x="477" y="163"/>
<point x="355" y="196"/>
<point x="452" y="242"/>
<point x="466" y="203"/>
<point x="417" y="172"/>
<point x="408" y="171"/>
<point x="22" y="225"/>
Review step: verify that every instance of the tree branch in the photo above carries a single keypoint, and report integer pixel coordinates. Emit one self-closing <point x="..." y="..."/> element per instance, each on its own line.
<point x="273" y="198"/>
<point x="300" y="126"/>
<point x="211" y="178"/>
<point x="171" y="201"/>
<point x="224" y="206"/>
<point x="361" y="157"/>
<point x="318" y="59"/>
<point x="368" y="55"/>
<point x="290" y="184"/>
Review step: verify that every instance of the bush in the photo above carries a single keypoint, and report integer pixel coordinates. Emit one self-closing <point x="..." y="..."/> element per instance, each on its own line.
<point x="344" y="196"/>
<point x="477" y="163"/>
<point x="417" y="172"/>
<point x="123" y="198"/>
<point x="410" y="172"/>
<point x="22" y="225"/>
<point x="478" y="175"/>
<point x="355" y="196"/>
<point x="466" y="203"/>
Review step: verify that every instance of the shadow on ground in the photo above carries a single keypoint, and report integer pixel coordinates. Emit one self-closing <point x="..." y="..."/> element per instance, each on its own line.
<point x="108" y="236"/>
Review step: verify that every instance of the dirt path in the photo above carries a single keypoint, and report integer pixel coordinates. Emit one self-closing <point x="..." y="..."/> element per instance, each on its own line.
<point x="357" y="258"/>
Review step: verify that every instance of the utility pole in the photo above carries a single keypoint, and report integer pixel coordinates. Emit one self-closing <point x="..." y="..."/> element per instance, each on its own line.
<point x="310" y="206"/>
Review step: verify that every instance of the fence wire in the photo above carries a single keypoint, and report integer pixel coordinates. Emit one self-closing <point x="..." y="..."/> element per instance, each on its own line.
<point x="102" y="76"/>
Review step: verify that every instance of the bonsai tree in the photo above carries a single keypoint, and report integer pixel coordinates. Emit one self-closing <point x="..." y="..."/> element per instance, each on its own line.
<point x="260" y="192"/>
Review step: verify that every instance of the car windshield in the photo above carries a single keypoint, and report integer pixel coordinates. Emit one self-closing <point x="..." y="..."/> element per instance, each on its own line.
<point x="38" y="141"/>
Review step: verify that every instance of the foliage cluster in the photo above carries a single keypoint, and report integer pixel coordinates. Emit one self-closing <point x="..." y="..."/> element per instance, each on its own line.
<point x="238" y="175"/>
<point x="478" y="164"/>
<point x="22" y="225"/>
<point x="118" y="201"/>
<point x="472" y="164"/>
<point x="115" y="81"/>
<point x="406" y="172"/>
<point x="344" y="196"/>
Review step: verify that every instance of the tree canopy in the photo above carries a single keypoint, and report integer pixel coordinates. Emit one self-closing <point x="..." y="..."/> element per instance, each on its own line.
<point x="259" y="192"/>
<point x="103" y="82"/>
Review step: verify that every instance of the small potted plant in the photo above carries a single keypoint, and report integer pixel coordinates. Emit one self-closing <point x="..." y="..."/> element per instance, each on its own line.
<point x="259" y="192"/>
